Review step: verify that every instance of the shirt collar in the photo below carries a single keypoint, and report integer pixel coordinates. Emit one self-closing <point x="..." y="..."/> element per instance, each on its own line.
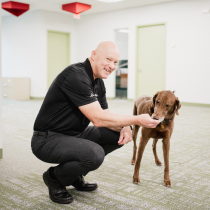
<point x="89" y="71"/>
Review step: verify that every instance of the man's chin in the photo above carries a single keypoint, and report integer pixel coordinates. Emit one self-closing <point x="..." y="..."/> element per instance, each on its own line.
<point x="105" y="76"/>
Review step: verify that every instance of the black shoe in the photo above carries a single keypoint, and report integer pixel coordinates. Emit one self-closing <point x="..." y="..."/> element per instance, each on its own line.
<point x="81" y="185"/>
<point x="57" y="191"/>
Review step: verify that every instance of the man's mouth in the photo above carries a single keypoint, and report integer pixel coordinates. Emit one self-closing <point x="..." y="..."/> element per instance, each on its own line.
<point x="107" y="70"/>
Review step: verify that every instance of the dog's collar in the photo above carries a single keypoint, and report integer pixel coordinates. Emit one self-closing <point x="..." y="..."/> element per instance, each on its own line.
<point x="165" y="120"/>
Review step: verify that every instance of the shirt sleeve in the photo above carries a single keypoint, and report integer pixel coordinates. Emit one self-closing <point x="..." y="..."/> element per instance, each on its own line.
<point x="78" y="88"/>
<point x="103" y="103"/>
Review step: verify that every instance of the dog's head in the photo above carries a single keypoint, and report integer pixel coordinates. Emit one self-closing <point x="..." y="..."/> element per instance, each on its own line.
<point x="165" y="105"/>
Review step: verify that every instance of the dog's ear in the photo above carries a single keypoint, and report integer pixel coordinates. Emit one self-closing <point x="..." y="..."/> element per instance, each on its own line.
<point x="154" y="98"/>
<point x="177" y="106"/>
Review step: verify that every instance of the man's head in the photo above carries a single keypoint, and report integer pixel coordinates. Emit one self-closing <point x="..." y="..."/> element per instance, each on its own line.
<point x="104" y="59"/>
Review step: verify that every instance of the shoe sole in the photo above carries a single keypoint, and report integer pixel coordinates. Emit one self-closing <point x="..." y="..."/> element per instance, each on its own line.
<point x="54" y="200"/>
<point x="87" y="189"/>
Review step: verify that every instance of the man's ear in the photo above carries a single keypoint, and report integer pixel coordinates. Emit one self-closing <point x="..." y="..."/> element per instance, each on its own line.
<point x="93" y="54"/>
<point x="178" y="106"/>
<point x="154" y="98"/>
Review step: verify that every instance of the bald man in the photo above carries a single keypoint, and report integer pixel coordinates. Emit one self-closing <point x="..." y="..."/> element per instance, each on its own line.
<point x="62" y="136"/>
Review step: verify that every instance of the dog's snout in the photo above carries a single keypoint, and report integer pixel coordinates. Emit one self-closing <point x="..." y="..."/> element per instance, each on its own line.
<point x="155" y="118"/>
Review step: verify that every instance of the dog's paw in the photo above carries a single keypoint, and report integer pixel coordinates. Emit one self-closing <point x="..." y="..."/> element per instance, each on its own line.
<point x="158" y="163"/>
<point x="167" y="183"/>
<point x="136" y="180"/>
<point x="132" y="161"/>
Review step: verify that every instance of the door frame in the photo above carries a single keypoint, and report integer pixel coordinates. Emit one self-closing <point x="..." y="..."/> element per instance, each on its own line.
<point x="69" y="41"/>
<point x="137" y="44"/>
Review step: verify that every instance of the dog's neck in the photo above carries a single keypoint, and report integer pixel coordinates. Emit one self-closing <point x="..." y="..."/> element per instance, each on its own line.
<point x="166" y="120"/>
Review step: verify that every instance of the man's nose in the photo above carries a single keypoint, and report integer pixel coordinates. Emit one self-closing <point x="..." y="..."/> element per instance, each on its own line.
<point x="111" y="65"/>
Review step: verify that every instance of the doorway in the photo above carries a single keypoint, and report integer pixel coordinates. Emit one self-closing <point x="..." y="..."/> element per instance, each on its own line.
<point x="122" y="67"/>
<point x="58" y="54"/>
<point x="151" y="59"/>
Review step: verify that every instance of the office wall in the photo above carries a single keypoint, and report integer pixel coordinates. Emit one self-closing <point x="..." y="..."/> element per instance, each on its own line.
<point x="1" y="146"/>
<point x="25" y="45"/>
<point x="121" y="39"/>
<point x="188" y="44"/>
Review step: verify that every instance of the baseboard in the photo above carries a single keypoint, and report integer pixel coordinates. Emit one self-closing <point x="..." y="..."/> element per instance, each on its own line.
<point x="1" y="153"/>
<point x="36" y="98"/>
<point x="195" y="104"/>
<point x="110" y="98"/>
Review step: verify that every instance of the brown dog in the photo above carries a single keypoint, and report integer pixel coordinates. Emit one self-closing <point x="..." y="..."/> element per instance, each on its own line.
<point x="164" y="105"/>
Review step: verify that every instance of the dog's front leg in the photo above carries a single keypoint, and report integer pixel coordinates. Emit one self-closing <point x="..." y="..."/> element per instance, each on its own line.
<point x="166" y="147"/>
<point x="134" y="135"/>
<point x="142" y="144"/>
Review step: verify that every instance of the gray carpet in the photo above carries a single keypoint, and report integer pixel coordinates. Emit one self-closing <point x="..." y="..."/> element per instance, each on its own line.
<point x="21" y="185"/>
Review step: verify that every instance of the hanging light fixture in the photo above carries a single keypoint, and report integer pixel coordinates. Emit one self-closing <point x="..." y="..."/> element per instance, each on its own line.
<point x="15" y="8"/>
<point x="109" y="1"/>
<point x="76" y="8"/>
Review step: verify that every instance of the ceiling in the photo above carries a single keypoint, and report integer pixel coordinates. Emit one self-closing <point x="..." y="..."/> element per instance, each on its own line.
<point x="97" y="6"/>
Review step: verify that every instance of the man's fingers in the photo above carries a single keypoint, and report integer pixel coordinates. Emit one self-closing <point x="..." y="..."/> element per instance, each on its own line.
<point x="120" y="139"/>
<point x="154" y="123"/>
<point x="125" y="140"/>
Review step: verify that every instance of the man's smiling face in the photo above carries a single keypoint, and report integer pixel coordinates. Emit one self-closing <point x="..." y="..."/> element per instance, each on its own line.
<point x="104" y="60"/>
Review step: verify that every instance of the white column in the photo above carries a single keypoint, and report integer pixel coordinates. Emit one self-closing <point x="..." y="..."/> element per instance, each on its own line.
<point x="1" y="146"/>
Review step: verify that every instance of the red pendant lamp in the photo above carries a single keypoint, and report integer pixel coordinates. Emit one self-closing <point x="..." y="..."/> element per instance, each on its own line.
<point x="16" y="8"/>
<point x="76" y="8"/>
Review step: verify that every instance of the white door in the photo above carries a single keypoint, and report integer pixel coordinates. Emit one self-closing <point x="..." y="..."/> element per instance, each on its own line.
<point x="151" y="60"/>
<point x="57" y="54"/>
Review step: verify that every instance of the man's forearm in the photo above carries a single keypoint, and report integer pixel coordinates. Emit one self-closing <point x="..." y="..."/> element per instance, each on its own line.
<point x="115" y="121"/>
<point x="118" y="129"/>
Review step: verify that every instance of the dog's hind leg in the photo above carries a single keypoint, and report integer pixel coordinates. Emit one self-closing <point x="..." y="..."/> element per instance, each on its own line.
<point x="157" y="161"/>
<point x="134" y="136"/>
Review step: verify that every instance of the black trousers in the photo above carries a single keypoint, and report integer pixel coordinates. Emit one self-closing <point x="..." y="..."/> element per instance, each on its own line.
<point x="75" y="155"/>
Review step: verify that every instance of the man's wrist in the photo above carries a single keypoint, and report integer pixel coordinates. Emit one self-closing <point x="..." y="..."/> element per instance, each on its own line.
<point x="130" y="128"/>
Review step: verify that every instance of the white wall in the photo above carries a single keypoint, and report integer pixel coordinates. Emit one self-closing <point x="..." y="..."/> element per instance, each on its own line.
<point x="1" y="146"/>
<point x="188" y="63"/>
<point x="25" y="45"/>
<point x="121" y="40"/>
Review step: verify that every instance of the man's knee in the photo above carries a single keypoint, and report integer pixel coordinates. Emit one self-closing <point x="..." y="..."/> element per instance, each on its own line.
<point x="95" y="158"/>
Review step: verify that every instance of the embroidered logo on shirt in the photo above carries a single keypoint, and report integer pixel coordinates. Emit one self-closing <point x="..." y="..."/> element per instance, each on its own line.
<point x="92" y="95"/>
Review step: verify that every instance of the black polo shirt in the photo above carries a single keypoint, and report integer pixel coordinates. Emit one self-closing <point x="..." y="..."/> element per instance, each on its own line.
<point x="73" y="87"/>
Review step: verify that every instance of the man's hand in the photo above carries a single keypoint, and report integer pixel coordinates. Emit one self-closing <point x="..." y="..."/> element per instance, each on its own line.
<point x="147" y="122"/>
<point x="125" y="135"/>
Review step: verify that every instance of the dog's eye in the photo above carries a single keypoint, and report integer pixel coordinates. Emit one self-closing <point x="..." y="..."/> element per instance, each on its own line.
<point x="157" y="102"/>
<point x="167" y="105"/>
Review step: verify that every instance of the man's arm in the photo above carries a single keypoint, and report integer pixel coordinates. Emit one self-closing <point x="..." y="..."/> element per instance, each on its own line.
<point x="102" y="118"/>
<point x="118" y="129"/>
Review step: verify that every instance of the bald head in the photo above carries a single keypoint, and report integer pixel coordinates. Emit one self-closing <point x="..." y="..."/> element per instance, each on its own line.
<point x="106" y="45"/>
<point x="104" y="59"/>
